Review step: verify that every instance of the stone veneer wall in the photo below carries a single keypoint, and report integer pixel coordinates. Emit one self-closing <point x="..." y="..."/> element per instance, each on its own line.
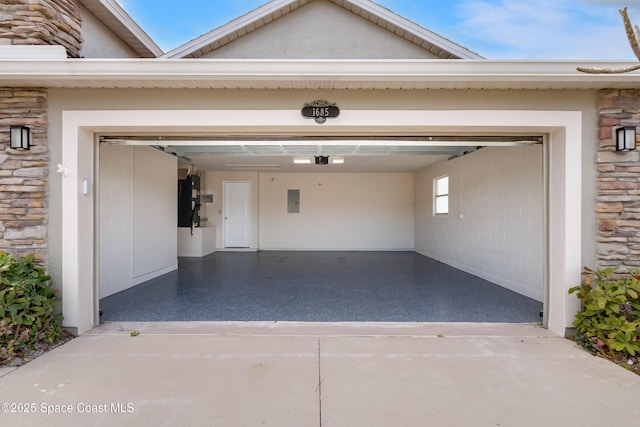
<point x="618" y="183"/>
<point x="24" y="174"/>
<point x="41" y="22"/>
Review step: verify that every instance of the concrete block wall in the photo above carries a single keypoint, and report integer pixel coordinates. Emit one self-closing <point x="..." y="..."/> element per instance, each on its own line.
<point x="41" y="22"/>
<point x="618" y="204"/>
<point x="24" y="174"/>
<point x="495" y="226"/>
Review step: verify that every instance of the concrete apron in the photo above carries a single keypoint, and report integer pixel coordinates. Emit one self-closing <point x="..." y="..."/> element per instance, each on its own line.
<point x="319" y="374"/>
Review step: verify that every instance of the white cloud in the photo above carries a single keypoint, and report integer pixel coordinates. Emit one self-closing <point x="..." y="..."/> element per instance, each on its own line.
<point x="544" y="29"/>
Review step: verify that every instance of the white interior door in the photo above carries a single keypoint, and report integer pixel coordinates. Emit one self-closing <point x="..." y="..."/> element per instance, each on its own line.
<point x="237" y="214"/>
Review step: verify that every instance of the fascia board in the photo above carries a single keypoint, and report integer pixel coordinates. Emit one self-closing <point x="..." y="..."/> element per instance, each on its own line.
<point x="128" y="25"/>
<point x="33" y="52"/>
<point x="227" y="29"/>
<point x="132" y="26"/>
<point x="415" y="29"/>
<point x="115" y="70"/>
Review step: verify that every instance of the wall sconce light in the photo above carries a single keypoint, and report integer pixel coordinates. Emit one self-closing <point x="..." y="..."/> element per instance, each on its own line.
<point x="302" y="160"/>
<point x="626" y="138"/>
<point x="20" y="137"/>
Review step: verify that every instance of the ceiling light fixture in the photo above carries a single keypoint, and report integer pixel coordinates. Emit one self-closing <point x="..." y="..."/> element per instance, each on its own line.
<point x="252" y="166"/>
<point x="302" y="160"/>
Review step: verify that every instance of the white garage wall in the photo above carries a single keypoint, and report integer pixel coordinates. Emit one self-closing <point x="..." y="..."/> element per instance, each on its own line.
<point x="116" y="213"/>
<point x="338" y="211"/>
<point x="138" y="216"/>
<point x="499" y="193"/>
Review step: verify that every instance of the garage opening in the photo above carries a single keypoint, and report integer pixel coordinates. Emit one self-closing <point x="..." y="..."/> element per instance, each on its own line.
<point x="401" y="228"/>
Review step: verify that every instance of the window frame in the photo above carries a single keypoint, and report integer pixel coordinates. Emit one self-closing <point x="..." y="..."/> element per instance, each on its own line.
<point x="439" y="196"/>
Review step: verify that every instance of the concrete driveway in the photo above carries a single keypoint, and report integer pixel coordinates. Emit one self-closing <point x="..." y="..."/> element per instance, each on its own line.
<point x="305" y="374"/>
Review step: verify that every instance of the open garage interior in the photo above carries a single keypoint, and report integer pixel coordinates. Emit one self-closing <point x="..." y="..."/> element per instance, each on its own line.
<point x="287" y="234"/>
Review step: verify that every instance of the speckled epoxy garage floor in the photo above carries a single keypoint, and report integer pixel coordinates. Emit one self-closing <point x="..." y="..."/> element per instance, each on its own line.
<point x="319" y="287"/>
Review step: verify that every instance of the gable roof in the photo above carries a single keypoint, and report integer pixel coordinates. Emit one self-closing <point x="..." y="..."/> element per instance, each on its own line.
<point x="367" y="9"/>
<point x="114" y="17"/>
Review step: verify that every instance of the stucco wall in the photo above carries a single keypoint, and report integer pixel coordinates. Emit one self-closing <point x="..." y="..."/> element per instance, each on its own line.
<point x="584" y="101"/>
<point x="99" y="41"/>
<point x="495" y="225"/>
<point x="321" y="29"/>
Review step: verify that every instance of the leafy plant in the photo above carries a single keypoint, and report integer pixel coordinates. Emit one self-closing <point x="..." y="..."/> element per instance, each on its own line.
<point x="27" y="303"/>
<point x="610" y="315"/>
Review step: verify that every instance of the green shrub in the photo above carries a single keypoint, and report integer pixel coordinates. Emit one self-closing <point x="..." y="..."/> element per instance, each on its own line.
<point x="27" y="303"/>
<point x="610" y="315"/>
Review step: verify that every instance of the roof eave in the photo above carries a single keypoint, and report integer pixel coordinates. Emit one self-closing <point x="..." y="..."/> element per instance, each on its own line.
<point x="226" y="29"/>
<point x="419" y="31"/>
<point x="125" y="27"/>
<point x="309" y="74"/>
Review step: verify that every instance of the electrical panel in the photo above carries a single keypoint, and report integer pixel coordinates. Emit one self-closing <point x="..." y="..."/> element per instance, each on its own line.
<point x="189" y="201"/>
<point x="293" y="201"/>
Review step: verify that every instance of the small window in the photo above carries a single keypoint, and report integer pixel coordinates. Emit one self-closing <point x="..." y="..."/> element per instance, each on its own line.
<point x="441" y="198"/>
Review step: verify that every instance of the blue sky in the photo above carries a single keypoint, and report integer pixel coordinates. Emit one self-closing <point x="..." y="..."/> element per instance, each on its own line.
<point x="496" y="29"/>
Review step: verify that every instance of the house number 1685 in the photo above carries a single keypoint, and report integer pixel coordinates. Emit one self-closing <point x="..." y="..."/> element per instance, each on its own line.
<point x="320" y="112"/>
